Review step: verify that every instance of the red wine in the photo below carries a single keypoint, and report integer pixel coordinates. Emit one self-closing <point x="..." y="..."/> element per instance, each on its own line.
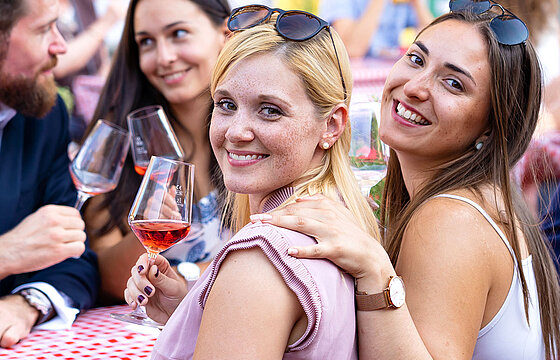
<point x="158" y="235"/>
<point x="141" y="170"/>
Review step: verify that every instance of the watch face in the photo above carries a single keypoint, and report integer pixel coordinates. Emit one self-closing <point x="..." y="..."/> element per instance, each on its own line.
<point x="396" y="291"/>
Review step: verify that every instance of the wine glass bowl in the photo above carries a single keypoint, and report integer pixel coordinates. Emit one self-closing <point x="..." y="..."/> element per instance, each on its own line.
<point x="161" y="214"/>
<point x="368" y="154"/>
<point x="152" y="135"/>
<point x="97" y="167"/>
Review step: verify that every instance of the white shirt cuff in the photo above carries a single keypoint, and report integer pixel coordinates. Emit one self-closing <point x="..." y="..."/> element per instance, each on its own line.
<point x="65" y="315"/>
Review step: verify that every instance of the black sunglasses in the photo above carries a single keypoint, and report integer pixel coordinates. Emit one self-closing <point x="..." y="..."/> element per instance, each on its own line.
<point x="293" y="25"/>
<point x="508" y="28"/>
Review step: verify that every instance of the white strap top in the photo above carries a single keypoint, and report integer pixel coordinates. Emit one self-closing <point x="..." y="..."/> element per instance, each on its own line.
<point x="507" y="335"/>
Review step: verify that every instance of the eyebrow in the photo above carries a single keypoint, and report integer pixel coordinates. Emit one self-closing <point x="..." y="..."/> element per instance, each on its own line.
<point x="166" y="27"/>
<point x="448" y="65"/>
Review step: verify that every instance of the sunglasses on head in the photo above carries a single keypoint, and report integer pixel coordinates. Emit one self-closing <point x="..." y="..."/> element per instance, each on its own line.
<point x="508" y="28"/>
<point x="293" y="25"/>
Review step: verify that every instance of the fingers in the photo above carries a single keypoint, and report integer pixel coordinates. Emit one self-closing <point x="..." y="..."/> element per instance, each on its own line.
<point x="309" y="252"/>
<point x="12" y="335"/>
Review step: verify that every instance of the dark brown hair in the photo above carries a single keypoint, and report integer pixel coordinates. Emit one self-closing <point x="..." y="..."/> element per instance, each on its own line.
<point x="515" y="102"/>
<point x="11" y="11"/>
<point x="126" y="89"/>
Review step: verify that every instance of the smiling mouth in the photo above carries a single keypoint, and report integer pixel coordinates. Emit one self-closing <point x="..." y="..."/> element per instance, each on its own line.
<point x="411" y="116"/>
<point x="175" y="75"/>
<point x="246" y="157"/>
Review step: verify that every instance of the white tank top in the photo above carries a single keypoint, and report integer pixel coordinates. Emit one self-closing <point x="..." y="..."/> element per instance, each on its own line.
<point x="507" y="335"/>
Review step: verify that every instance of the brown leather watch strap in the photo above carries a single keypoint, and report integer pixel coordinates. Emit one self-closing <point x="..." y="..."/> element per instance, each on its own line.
<point x="370" y="302"/>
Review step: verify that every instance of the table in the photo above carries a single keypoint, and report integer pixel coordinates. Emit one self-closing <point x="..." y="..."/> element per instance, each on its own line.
<point x="94" y="335"/>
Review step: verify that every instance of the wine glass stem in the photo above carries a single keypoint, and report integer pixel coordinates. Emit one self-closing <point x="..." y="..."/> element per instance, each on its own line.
<point x="82" y="197"/>
<point x="151" y="258"/>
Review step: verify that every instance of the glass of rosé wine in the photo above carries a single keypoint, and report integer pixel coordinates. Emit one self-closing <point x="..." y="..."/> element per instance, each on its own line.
<point x="368" y="154"/>
<point x="160" y="215"/>
<point x="152" y="135"/>
<point x="97" y="167"/>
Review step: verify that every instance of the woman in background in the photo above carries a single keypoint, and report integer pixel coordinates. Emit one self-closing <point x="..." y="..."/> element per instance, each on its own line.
<point x="165" y="57"/>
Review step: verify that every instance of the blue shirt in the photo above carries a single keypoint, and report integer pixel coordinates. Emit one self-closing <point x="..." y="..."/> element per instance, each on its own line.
<point x="395" y="18"/>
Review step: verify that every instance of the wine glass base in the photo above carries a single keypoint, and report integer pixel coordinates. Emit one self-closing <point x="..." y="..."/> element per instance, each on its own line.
<point x="136" y="319"/>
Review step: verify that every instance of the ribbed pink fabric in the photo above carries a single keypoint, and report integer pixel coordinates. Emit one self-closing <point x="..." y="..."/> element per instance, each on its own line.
<point x="324" y="292"/>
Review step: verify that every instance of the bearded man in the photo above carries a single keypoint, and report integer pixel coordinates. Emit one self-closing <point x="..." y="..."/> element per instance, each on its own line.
<point x="47" y="272"/>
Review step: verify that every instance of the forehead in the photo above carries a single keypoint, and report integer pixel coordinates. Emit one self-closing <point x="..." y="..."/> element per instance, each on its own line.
<point x="38" y="13"/>
<point x="265" y="73"/>
<point x="459" y="43"/>
<point x="150" y="11"/>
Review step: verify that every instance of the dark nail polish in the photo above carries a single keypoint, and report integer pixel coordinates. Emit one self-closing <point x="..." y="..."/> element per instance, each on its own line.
<point x="140" y="268"/>
<point x="157" y="273"/>
<point x="140" y="299"/>
<point x="148" y="290"/>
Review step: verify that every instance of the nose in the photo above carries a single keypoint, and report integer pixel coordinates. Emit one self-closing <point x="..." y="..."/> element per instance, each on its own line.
<point x="57" y="45"/>
<point x="418" y="86"/>
<point x="239" y="130"/>
<point x="166" y="54"/>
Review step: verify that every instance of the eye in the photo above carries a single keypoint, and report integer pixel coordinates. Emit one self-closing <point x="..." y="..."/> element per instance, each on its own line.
<point x="271" y="111"/>
<point x="415" y="59"/>
<point x="180" y="33"/>
<point x="144" y="42"/>
<point x="226" y="105"/>
<point x="455" y="84"/>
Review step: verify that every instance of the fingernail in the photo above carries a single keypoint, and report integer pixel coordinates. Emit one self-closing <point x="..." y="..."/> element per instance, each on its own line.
<point x="140" y="268"/>
<point x="148" y="290"/>
<point x="140" y="299"/>
<point x="157" y="272"/>
<point x="292" y="251"/>
<point x="260" y="217"/>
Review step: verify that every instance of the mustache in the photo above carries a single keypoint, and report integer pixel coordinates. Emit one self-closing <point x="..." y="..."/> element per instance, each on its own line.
<point x="51" y="64"/>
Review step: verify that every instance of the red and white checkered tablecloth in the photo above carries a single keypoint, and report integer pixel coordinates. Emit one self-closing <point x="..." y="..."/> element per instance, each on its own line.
<point x="94" y="335"/>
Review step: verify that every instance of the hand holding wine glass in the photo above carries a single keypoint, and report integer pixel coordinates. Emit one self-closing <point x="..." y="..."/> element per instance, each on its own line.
<point x="152" y="135"/>
<point x="161" y="214"/>
<point x="97" y="167"/>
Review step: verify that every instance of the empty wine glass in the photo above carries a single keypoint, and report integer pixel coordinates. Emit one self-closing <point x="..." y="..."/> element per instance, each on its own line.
<point x="152" y="135"/>
<point x="97" y="167"/>
<point x="160" y="215"/>
<point x="367" y="153"/>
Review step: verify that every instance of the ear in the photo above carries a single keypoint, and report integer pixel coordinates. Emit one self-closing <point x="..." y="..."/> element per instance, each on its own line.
<point x="483" y="137"/>
<point x="335" y="125"/>
<point x="224" y="30"/>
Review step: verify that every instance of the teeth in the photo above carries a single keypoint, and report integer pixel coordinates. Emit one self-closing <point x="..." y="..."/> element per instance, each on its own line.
<point x="410" y="116"/>
<point x="174" y="76"/>
<point x="245" y="157"/>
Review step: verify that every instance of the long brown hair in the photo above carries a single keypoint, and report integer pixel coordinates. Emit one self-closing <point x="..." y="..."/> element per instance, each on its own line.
<point x="515" y="102"/>
<point x="126" y="89"/>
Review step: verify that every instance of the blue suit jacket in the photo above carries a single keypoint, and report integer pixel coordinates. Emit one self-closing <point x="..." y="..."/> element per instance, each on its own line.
<point x="34" y="172"/>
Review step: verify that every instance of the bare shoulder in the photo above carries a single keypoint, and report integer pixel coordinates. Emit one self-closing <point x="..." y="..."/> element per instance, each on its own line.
<point x="249" y="310"/>
<point x="453" y="232"/>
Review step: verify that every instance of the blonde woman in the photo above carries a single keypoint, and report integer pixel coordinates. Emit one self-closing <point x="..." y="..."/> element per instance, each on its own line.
<point x="279" y="131"/>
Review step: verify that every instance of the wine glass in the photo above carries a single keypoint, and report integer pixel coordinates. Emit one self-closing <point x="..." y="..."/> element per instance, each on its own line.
<point x="152" y="135"/>
<point x="368" y="154"/>
<point x="97" y="167"/>
<point x="160" y="215"/>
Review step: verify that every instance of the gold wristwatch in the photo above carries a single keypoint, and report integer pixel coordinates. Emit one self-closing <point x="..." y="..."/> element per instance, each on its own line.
<point x="392" y="297"/>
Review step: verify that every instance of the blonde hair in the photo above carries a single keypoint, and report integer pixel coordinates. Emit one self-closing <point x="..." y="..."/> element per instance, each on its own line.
<point x="315" y="61"/>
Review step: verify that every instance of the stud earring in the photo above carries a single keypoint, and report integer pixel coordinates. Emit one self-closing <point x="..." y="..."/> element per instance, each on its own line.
<point x="478" y="145"/>
<point x="325" y="145"/>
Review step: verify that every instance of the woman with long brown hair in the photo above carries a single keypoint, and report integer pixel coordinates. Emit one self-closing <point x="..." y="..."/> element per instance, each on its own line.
<point x="458" y="111"/>
<point x="165" y="58"/>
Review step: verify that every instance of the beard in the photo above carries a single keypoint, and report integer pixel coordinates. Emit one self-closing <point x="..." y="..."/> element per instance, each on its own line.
<point x="29" y="96"/>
